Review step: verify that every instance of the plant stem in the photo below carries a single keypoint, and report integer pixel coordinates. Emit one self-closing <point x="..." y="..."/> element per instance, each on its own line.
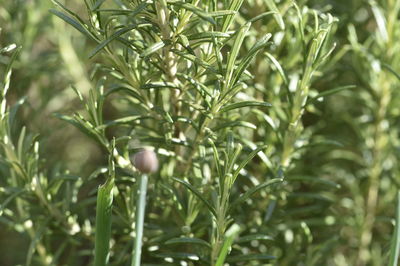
<point x="140" y="208"/>
<point x="380" y="141"/>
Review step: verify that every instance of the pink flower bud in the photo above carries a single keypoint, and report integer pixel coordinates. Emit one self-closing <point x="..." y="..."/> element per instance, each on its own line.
<point x="146" y="161"/>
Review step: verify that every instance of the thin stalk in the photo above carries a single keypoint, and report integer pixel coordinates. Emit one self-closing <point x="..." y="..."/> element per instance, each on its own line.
<point x="140" y="208"/>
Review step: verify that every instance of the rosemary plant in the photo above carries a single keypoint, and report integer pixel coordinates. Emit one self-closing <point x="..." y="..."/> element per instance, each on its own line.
<point x="274" y="126"/>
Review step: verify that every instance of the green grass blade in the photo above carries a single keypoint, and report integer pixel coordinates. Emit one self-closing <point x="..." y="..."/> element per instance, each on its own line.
<point x="103" y="216"/>
<point x="103" y="223"/>
<point x="395" y="247"/>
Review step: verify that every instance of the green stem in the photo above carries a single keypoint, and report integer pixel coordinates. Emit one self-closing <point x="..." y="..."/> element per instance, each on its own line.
<point x="140" y="208"/>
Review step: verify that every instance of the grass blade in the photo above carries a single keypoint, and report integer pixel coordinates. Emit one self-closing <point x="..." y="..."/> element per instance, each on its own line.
<point x="395" y="247"/>
<point x="103" y="223"/>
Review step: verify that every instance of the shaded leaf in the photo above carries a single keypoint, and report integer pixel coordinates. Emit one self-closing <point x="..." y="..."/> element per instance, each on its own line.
<point x="197" y="194"/>
<point x="188" y="240"/>
<point x="233" y="106"/>
<point x="254" y="190"/>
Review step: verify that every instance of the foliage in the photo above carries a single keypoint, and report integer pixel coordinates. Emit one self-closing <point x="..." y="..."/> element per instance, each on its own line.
<point x="275" y="124"/>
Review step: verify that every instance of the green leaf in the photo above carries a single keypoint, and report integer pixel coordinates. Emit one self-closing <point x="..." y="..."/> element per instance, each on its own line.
<point x="246" y="161"/>
<point x="197" y="194"/>
<point x="395" y="245"/>
<point x="380" y="21"/>
<point x="252" y="237"/>
<point x="234" y="6"/>
<point x="97" y="5"/>
<point x="230" y="236"/>
<point x="103" y="222"/>
<point x="14" y="195"/>
<point x="249" y="56"/>
<point x="159" y="85"/>
<point x="330" y="92"/>
<point x="77" y="23"/>
<point x="216" y="159"/>
<point x="125" y="88"/>
<point x="121" y="121"/>
<point x="188" y="240"/>
<point x="278" y="67"/>
<point x="237" y="105"/>
<point x="230" y="66"/>
<point x="200" y="87"/>
<point x="131" y="12"/>
<point x="85" y="127"/>
<point x="277" y="15"/>
<point x="221" y="13"/>
<point x="391" y="70"/>
<point x="115" y="35"/>
<point x="14" y="109"/>
<point x="235" y="124"/>
<point x="208" y="35"/>
<point x="251" y="257"/>
<point x="195" y="60"/>
<point x="153" y="48"/>
<point x="7" y="78"/>
<point x="200" y="13"/>
<point x="177" y="255"/>
<point x="261" y="16"/>
<point x="254" y="190"/>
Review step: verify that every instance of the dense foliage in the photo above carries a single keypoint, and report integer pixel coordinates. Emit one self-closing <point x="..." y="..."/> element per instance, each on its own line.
<point x="275" y="124"/>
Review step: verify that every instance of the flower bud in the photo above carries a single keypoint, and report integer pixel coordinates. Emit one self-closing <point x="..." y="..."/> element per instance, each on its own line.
<point x="146" y="161"/>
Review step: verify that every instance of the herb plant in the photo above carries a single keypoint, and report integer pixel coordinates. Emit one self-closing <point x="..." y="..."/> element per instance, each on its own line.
<point x="208" y="132"/>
